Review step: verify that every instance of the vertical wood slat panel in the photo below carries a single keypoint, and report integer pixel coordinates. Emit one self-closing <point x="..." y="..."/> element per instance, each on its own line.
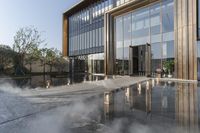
<point x="65" y="36"/>
<point x="191" y="39"/>
<point x="185" y="39"/>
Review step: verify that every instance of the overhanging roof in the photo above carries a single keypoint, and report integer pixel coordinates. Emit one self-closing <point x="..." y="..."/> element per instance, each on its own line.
<point x="79" y="6"/>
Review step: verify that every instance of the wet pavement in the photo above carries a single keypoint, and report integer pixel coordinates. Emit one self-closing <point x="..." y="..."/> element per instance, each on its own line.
<point x="99" y="107"/>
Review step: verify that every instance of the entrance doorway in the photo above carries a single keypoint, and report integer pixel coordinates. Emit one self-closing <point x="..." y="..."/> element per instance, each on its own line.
<point x="140" y="60"/>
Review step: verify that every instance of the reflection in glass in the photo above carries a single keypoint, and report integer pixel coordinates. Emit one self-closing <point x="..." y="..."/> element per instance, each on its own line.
<point x="153" y="25"/>
<point x="119" y="46"/>
<point x="140" y="27"/>
<point x="127" y="41"/>
<point x="96" y="63"/>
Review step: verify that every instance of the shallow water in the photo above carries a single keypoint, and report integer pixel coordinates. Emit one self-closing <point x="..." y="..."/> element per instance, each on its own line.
<point x="152" y="107"/>
<point x="148" y="107"/>
<point x="55" y="80"/>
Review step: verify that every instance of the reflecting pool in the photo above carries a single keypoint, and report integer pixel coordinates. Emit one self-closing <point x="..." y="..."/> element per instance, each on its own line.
<point x="154" y="107"/>
<point x="52" y="80"/>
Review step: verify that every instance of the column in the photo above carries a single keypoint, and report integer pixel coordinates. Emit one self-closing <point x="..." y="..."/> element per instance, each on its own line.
<point x="185" y="39"/>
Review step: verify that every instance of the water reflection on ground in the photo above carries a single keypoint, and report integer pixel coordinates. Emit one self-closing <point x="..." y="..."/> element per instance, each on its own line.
<point x="50" y="80"/>
<point x="154" y="107"/>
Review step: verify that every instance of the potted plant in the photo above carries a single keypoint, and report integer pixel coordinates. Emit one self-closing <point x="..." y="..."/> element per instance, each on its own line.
<point x="169" y="66"/>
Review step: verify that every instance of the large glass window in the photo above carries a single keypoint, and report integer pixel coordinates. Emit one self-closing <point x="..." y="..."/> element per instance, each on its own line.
<point x="127" y="41"/>
<point x="155" y="35"/>
<point x="140" y="27"/>
<point x="198" y="1"/>
<point x="85" y="29"/>
<point x="153" y="25"/>
<point x="119" y="46"/>
<point x="96" y="63"/>
<point x="198" y="59"/>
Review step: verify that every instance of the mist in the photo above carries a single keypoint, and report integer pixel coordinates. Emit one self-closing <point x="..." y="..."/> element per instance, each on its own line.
<point x="83" y="115"/>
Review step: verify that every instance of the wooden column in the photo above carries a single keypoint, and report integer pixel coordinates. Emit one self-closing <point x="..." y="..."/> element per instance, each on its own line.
<point x="109" y="61"/>
<point x="185" y="39"/>
<point x="65" y="36"/>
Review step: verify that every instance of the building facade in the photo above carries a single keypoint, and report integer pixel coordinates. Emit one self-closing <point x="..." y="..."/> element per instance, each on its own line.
<point x="133" y="37"/>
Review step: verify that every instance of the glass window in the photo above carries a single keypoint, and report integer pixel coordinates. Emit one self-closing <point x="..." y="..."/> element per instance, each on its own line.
<point x="167" y="16"/>
<point x="127" y="41"/>
<point x="97" y="39"/>
<point x="198" y="59"/>
<point x="91" y="39"/>
<point x="155" y="21"/>
<point x="198" y="18"/>
<point x="94" y="39"/>
<point x="100" y="38"/>
<point x="110" y="4"/>
<point x="153" y="25"/>
<point x="119" y="46"/>
<point x="140" y="27"/>
<point x="156" y="56"/>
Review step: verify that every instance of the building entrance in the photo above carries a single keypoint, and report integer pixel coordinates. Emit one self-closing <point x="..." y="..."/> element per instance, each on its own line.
<point x="140" y="60"/>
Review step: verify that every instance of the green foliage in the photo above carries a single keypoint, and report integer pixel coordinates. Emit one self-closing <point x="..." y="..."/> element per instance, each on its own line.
<point x="61" y="62"/>
<point x="6" y="57"/>
<point x="49" y="57"/>
<point x="27" y="46"/>
<point x="26" y="41"/>
<point x="169" y="65"/>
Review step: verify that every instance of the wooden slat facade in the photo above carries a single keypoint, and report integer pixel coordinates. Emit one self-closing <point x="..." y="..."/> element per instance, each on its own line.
<point x="186" y="39"/>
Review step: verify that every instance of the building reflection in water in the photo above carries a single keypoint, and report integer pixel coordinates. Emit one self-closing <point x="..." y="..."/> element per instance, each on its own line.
<point x="170" y="103"/>
<point x="187" y="116"/>
<point x="108" y="105"/>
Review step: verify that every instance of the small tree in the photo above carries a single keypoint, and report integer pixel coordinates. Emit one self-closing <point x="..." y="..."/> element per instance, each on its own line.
<point x="25" y="41"/>
<point x="43" y="54"/>
<point x="61" y="63"/>
<point x="51" y="57"/>
<point x="6" y="57"/>
<point x="169" y="66"/>
<point x="33" y="56"/>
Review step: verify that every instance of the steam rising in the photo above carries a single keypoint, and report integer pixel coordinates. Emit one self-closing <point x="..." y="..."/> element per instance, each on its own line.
<point x="80" y="116"/>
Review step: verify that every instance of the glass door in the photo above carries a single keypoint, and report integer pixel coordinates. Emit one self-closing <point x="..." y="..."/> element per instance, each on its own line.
<point x="140" y="60"/>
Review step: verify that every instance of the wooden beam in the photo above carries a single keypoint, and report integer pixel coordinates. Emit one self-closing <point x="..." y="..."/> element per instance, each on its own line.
<point x="65" y="37"/>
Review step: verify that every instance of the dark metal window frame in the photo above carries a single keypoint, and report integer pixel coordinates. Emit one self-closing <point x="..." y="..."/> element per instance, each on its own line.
<point x="198" y="25"/>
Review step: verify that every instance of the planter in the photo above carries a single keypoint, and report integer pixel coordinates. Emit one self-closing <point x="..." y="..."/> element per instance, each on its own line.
<point x="169" y="76"/>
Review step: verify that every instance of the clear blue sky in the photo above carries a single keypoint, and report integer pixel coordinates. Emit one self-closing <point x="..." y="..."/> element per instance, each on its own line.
<point x="45" y="15"/>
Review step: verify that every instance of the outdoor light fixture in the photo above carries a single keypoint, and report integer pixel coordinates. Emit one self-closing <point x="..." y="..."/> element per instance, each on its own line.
<point x="153" y="82"/>
<point x="48" y="84"/>
<point x="127" y="94"/>
<point x="147" y="85"/>
<point x="139" y="88"/>
<point x="84" y="79"/>
<point x="68" y="81"/>
<point x="157" y="81"/>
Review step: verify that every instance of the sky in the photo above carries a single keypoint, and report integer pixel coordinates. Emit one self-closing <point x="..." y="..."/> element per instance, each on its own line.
<point x="45" y="15"/>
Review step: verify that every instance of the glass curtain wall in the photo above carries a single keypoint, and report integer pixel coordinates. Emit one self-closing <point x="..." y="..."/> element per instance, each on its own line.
<point x="86" y="27"/>
<point x="96" y="63"/>
<point x="198" y="59"/>
<point x="154" y="25"/>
